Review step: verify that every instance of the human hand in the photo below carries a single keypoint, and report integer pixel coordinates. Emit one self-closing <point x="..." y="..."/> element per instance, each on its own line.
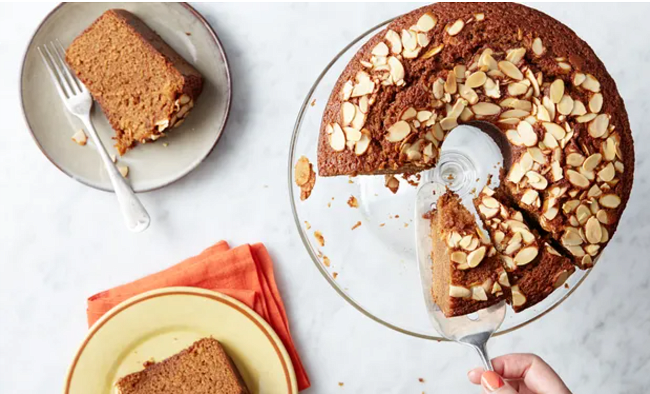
<point x="519" y="373"/>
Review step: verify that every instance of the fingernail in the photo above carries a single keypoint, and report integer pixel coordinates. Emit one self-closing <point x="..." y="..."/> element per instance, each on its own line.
<point x="491" y="381"/>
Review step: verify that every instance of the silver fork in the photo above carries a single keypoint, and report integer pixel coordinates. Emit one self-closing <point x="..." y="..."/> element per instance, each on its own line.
<point x="78" y="101"/>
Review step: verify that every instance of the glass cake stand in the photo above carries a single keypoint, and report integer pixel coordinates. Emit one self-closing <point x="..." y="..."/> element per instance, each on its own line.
<point x="374" y="265"/>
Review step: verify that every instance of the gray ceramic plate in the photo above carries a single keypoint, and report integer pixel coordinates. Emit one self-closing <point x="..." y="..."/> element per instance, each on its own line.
<point x="151" y="165"/>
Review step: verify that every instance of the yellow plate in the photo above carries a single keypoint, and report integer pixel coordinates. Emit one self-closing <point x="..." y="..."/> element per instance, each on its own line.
<point x="160" y="323"/>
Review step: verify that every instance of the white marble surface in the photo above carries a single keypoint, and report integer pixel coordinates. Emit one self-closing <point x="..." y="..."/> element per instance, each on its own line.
<point x="61" y="241"/>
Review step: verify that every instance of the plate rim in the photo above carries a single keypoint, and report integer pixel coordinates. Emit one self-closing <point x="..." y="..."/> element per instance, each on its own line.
<point x="240" y="307"/>
<point x="221" y="127"/>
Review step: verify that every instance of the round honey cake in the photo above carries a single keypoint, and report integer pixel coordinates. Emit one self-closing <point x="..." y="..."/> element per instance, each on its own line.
<point x="571" y="153"/>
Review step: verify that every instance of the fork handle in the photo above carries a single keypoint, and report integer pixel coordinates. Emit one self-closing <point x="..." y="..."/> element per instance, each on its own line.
<point x="135" y="215"/>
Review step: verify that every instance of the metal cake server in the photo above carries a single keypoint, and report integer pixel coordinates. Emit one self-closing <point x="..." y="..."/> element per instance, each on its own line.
<point x="470" y="157"/>
<point x="474" y="329"/>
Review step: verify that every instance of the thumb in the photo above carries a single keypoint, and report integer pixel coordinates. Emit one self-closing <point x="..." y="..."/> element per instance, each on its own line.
<point x="493" y="383"/>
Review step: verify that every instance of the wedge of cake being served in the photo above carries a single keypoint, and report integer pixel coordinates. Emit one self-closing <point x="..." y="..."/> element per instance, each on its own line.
<point x="143" y="86"/>
<point x="203" y="368"/>
<point x="467" y="273"/>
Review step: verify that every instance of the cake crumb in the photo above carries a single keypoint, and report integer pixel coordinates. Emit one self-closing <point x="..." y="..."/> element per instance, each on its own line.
<point x="421" y="380"/>
<point x="313" y="102"/>
<point x="335" y="274"/>
<point x="412" y="182"/>
<point x="307" y="225"/>
<point x="80" y="137"/>
<point x="319" y="237"/>
<point x="566" y="285"/>
<point x="391" y="183"/>
<point x="352" y="202"/>
<point x="356" y="225"/>
<point x="113" y="158"/>
<point x="305" y="177"/>
<point x="124" y="170"/>
<point x="329" y="205"/>
<point x="396" y="216"/>
<point x="382" y="224"/>
<point x="165" y="144"/>
<point x="326" y="261"/>
<point x="406" y="224"/>
<point x="187" y="33"/>
<point x="350" y="180"/>
<point x="341" y="384"/>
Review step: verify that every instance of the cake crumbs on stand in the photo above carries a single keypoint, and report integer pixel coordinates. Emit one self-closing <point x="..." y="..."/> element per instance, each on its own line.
<point x="352" y="202"/>
<point x="357" y="224"/>
<point x="319" y="237"/>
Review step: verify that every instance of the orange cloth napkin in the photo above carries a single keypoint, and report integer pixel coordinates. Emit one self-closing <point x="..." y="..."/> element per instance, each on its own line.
<point x="244" y="273"/>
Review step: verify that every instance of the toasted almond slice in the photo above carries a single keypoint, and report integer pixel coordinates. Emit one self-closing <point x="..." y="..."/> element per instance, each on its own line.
<point x="596" y="103"/>
<point x="467" y="93"/>
<point x="433" y="51"/>
<point x="611" y="201"/>
<point x="530" y="197"/>
<point x="510" y="70"/>
<point x="352" y="134"/>
<point x="557" y="91"/>
<point x="598" y="127"/>
<point x="479" y="293"/>
<point x="578" y="79"/>
<point x="398" y="131"/>
<point x="488" y="213"/>
<point x="591" y="83"/>
<point x="565" y="106"/>
<point x="586" y="118"/>
<point x="475" y="257"/>
<point x="124" y="170"/>
<point x="607" y="173"/>
<point x="571" y="237"/>
<point x="409" y="40"/>
<point x="337" y="138"/>
<point x="577" y="179"/>
<point x="517" y="89"/>
<point x="477" y="79"/>
<point x="516" y="173"/>
<point x="80" y="137"/>
<point x="362" y="145"/>
<point x="560" y="278"/>
<point x="348" y="110"/>
<point x="518" y="298"/>
<point x="458" y="257"/>
<point x="556" y="130"/>
<point x="396" y="69"/>
<point x="575" y="159"/>
<point x="578" y="108"/>
<point x="486" y="109"/>
<point x="514" y="56"/>
<point x="593" y="230"/>
<point x="455" y="27"/>
<point x="302" y="171"/>
<point x="380" y="49"/>
<point x="526" y="255"/>
<point x="527" y="134"/>
<point x="592" y="162"/>
<point x="459" y="292"/>
<point x="491" y="202"/>
<point x="395" y="41"/>
<point x="427" y="22"/>
<point x="538" y="47"/>
<point x="450" y="83"/>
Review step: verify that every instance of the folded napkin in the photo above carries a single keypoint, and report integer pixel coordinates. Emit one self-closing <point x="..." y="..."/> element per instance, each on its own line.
<point x="244" y="273"/>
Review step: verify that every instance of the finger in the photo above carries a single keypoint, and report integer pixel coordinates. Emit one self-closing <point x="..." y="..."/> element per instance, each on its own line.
<point x="493" y="383"/>
<point x="538" y="376"/>
<point x="474" y="375"/>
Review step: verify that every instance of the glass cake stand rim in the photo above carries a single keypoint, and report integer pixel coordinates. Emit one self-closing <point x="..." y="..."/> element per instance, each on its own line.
<point x="314" y="255"/>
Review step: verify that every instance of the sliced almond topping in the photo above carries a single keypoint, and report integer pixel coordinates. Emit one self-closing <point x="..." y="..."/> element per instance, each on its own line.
<point x="602" y="216"/>
<point x="80" y="137"/>
<point x="453" y="239"/>
<point x="592" y="162"/>
<point x="427" y="22"/>
<point x="555" y="129"/>
<point x="433" y="51"/>
<point x="610" y="201"/>
<point x="586" y="118"/>
<point x="450" y="83"/>
<point x="448" y="123"/>
<point x="488" y="213"/>
<point x="362" y="145"/>
<point x="396" y="69"/>
<point x="518" y="298"/>
<point x="526" y="255"/>
<point x="352" y="134"/>
<point x="557" y="91"/>
<point x="491" y="202"/>
<point x="398" y="131"/>
<point x="538" y="47"/>
<point x="609" y="149"/>
<point x="359" y="120"/>
<point x="517" y="89"/>
<point x="476" y="80"/>
<point x="348" y="110"/>
<point x="302" y="171"/>
<point x="591" y="83"/>
<point x="607" y="173"/>
<point x="491" y="88"/>
<point x="582" y="214"/>
<point x="363" y="86"/>
<point x="409" y="113"/>
<point x="527" y="134"/>
<point x="598" y="127"/>
<point x="536" y="180"/>
<point x="510" y="70"/>
<point x="380" y="49"/>
<point x="592" y="250"/>
<point x="516" y="173"/>
<point x="514" y="56"/>
<point x="578" y="79"/>
<point x="337" y="138"/>
<point x="577" y="179"/>
<point x="578" y="108"/>
<point x="560" y="278"/>
<point x="455" y="27"/>
<point x="409" y="40"/>
<point x="596" y="103"/>
<point x="458" y="257"/>
<point x="475" y="257"/>
<point x="459" y="292"/>
<point x="587" y="261"/>
<point x="565" y="106"/>
<point x="593" y="230"/>
<point x="486" y="109"/>
<point x="395" y="41"/>
<point x="479" y="293"/>
<point x="530" y="197"/>
<point x="571" y="237"/>
<point x="575" y="159"/>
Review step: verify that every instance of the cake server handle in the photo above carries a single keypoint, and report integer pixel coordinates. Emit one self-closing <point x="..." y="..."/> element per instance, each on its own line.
<point x="479" y="343"/>
<point x="135" y="215"/>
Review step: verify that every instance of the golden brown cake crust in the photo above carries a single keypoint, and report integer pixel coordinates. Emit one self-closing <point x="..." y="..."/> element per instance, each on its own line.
<point x="571" y="166"/>
<point x="142" y="85"/>
<point x="203" y="368"/>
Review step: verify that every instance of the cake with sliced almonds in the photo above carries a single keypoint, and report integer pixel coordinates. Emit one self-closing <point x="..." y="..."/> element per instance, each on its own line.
<point x="570" y="161"/>
<point x="467" y="273"/>
<point x="534" y="267"/>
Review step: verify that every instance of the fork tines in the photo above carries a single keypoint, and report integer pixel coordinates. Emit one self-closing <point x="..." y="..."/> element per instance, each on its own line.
<point x="66" y="83"/>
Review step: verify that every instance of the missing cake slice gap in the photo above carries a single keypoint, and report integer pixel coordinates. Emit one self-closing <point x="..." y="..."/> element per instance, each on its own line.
<point x="202" y="368"/>
<point x="467" y="273"/>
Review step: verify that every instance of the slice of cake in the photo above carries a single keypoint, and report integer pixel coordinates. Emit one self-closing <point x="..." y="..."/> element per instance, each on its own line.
<point x="203" y="368"/>
<point x="143" y="86"/>
<point x="467" y="273"/>
<point x="535" y="268"/>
